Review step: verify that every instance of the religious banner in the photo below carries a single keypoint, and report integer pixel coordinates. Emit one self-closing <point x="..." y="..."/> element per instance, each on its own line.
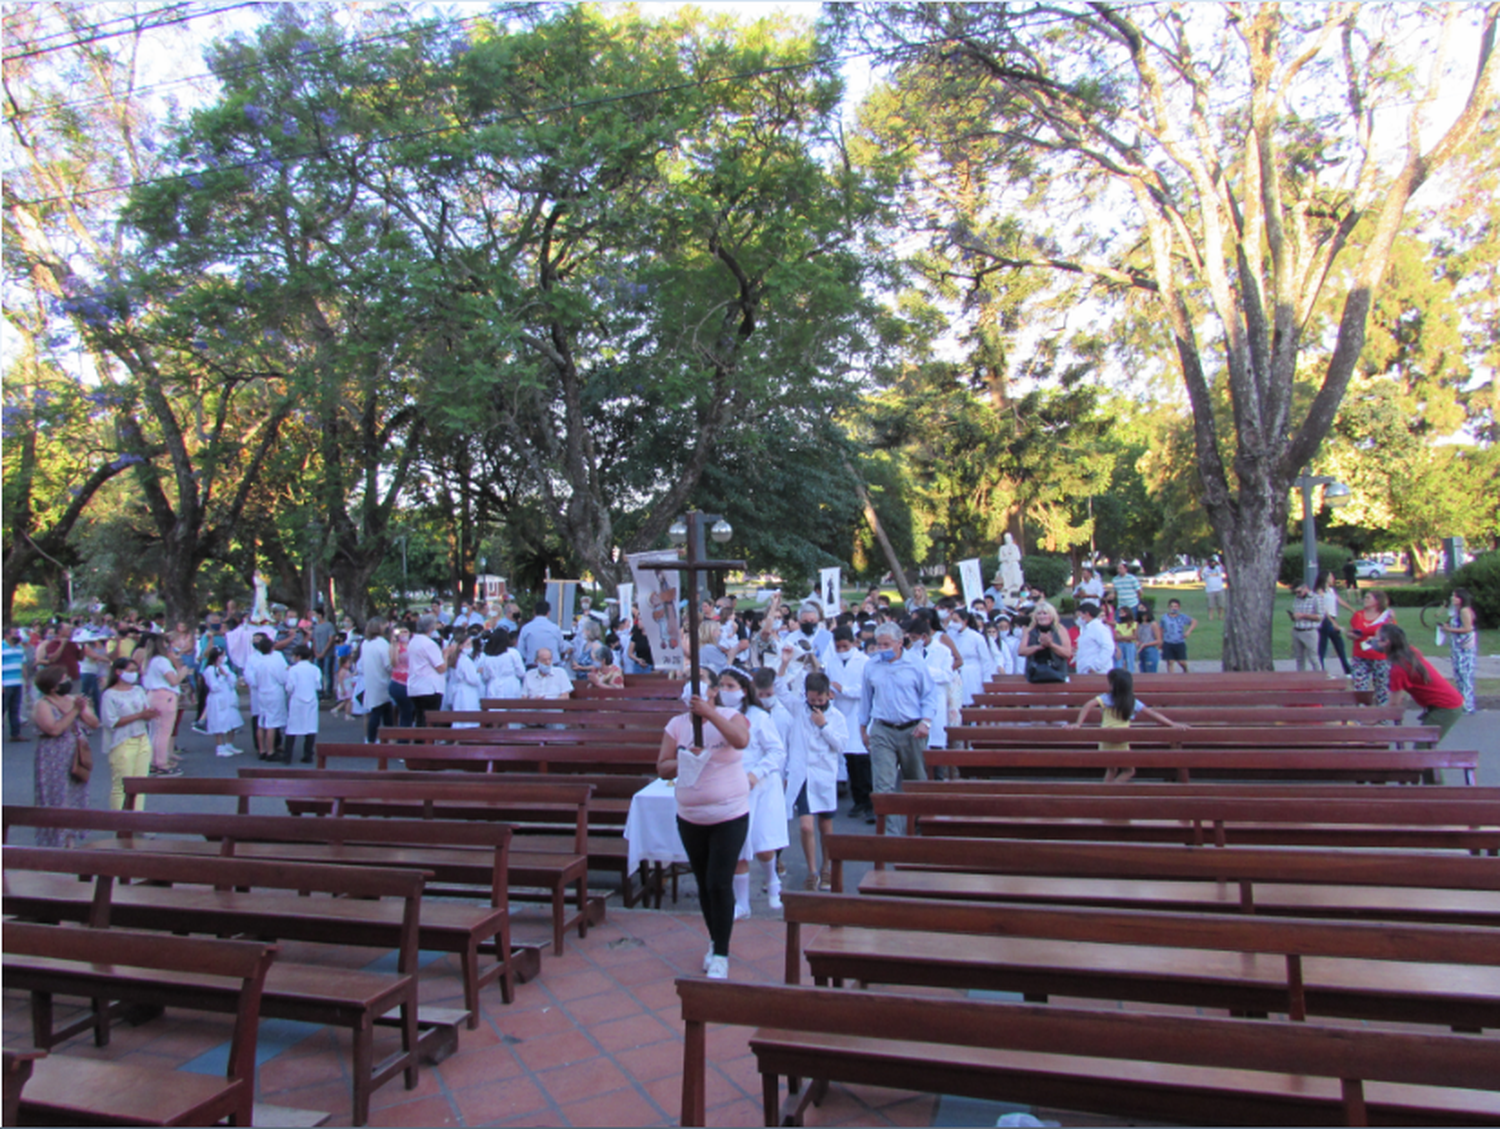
<point x="657" y="585"/>
<point x="626" y="596"/>
<point x="561" y="595"/>
<point x="972" y="579"/>
<point x="829" y="586"/>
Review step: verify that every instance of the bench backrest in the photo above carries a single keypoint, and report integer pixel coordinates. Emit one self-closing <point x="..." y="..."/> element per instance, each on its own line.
<point x="559" y="758"/>
<point x="607" y="786"/>
<point x="1464" y="1061"/>
<point x="1208" y="789"/>
<point x="1198" y="737"/>
<point x="604" y="719"/>
<point x="1196" y="714"/>
<point x="245" y="961"/>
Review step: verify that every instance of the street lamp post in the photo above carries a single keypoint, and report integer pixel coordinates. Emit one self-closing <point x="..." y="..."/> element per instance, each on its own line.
<point x="1335" y="493"/>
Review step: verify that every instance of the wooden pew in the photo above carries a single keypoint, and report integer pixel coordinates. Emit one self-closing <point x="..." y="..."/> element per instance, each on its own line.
<point x="1199" y="714"/>
<point x="1279" y="736"/>
<point x="1296" y="882"/>
<point x="1205" y="1071"/>
<point x="474" y="855"/>
<point x="529" y="738"/>
<point x="48" y="960"/>
<point x="604" y="718"/>
<point x="625" y="705"/>
<point x="1281" y="681"/>
<point x="226" y="896"/>
<point x="1327" y="763"/>
<point x="18" y="1067"/>
<point x="1380" y="818"/>
<point x="1072" y="696"/>
<point x="553" y="872"/>
<point x="608" y="809"/>
<point x="558" y="757"/>
<point x="1246" y="963"/>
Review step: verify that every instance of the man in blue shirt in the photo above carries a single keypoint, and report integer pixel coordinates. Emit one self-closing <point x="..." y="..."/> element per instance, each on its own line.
<point x="15" y="680"/>
<point x="541" y="633"/>
<point x="896" y="708"/>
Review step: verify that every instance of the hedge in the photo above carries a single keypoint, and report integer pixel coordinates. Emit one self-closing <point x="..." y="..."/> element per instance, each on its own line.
<point x="1330" y="557"/>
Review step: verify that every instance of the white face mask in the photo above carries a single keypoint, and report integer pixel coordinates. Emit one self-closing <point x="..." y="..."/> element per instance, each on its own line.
<point x="544" y="668"/>
<point x="129" y="676"/>
<point x="731" y="698"/>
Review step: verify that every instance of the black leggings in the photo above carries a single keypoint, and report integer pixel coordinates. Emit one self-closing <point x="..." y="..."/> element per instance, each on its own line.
<point x="421" y="703"/>
<point x="713" y="851"/>
<point x="380" y="715"/>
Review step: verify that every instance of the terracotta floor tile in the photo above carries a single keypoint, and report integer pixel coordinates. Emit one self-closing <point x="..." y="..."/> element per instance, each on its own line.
<point x="556" y="1050"/>
<point x="606" y="1006"/>
<point x="649" y="971"/>
<point x="297" y="1067"/>
<point x="653" y="1062"/>
<point x="740" y="1112"/>
<point x="336" y="1100"/>
<point x="658" y="994"/>
<point x="537" y="1119"/>
<point x="394" y="1092"/>
<point x="912" y="1110"/>
<point x="624" y="1107"/>
<point x="479" y="1067"/>
<point x="549" y="1020"/>
<point x="631" y="1033"/>
<point x="583" y="1080"/>
<point x="742" y="1072"/>
<point x="423" y="1111"/>
<point x="577" y="985"/>
<point x="667" y="1092"/>
<point x="513" y="1097"/>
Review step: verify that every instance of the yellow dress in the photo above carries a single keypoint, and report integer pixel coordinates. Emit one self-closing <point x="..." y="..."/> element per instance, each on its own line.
<point x="1111" y="720"/>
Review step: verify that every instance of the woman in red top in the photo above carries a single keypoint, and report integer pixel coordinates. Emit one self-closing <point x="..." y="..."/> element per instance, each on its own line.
<point x="1372" y="671"/>
<point x="1441" y="704"/>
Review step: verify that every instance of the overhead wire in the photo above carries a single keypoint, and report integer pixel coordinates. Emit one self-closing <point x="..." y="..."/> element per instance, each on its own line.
<point x="84" y="42"/>
<point x="44" y="38"/>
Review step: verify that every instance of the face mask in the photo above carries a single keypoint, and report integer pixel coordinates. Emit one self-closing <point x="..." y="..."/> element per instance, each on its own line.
<point x="731" y="698"/>
<point x="815" y="706"/>
<point x="809" y="628"/>
<point x="768" y="701"/>
<point x="545" y="668"/>
<point x="129" y="676"/>
<point x="64" y="689"/>
<point x="885" y="656"/>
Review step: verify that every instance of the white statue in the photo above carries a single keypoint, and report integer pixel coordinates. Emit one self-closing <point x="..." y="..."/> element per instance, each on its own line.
<point x="260" y="610"/>
<point x="1012" y="579"/>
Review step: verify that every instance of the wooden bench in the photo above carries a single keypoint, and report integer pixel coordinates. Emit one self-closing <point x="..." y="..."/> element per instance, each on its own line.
<point x="601" y="717"/>
<point x="476" y="856"/>
<point x="1247" y="964"/>
<point x="590" y="704"/>
<point x="1072" y="696"/>
<point x="1204" y="1071"/>
<point x="1199" y="737"/>
<point x="1375" y="764"/>
<point x="1296" y="882"/>
<point x="73" y="1090"/>
<point x="558" y="757"/>
<point x="544" y="875"/>
<point x="364" y="907"/>
<point x="1387" y="819"/>
<point x="18" y="1067"/>
<point x="608" y="809"/>
<point x="1222" y="682"/>
<point x="1198" y="714"/>
<point x="546" y="735"/>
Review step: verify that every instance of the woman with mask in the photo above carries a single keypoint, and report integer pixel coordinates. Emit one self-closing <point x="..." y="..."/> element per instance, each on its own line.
<point x="62" y="719"/>
<point x="713" y="808"/>
<point x="222" y="713"/>
<point x="125" y="717"/>
<point x="161" y="676"/>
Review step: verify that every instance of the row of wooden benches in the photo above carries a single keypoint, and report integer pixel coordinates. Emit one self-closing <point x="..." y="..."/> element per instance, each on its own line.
<point x="1320" y="936"/>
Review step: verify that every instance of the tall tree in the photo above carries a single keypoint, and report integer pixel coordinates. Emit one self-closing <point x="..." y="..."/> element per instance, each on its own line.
<point x="1219" y="159"/>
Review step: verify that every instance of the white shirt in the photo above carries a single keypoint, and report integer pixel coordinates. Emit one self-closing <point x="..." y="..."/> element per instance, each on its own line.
<point x="848" y="671"/>
<point x="1096" y="648"/>
<point x="1093" y="587"/>
<point x="423" y="657"/>
<point x="375" y="665"/>
<point x="553" y="684"/>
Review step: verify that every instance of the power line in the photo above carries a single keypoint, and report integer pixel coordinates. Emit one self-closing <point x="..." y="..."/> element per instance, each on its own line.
<point x="93" y="28"/>
<point x="84" y="42"/>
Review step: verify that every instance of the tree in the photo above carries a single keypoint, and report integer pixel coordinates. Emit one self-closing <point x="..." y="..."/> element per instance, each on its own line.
<point x="1218" y="160"/>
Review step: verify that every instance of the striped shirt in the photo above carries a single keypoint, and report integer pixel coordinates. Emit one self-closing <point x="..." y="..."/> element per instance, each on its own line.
<point x="1127" y="591"/>
<point x="15" y="665"/>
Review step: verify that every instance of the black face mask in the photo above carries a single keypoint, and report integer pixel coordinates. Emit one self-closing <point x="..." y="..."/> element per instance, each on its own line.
<point x="809" y="628"/>
<point x="64" y="688"/>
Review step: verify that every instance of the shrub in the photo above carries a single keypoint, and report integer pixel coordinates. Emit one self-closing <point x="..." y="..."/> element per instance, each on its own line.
<point x="1048" y="571"/>
<point x="1481" y="576"/>
<point x="1330" y="557"/>
<point x="1415" y="595"/>
<point x="1066" y="605"/>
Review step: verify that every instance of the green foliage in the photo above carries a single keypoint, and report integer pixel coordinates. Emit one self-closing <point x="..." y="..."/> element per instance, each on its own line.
<point x="1415" y="595"/>
<point x="1048" y="571"/>
<point x="1481" y="577"/>
<point x="1331" y="558"/>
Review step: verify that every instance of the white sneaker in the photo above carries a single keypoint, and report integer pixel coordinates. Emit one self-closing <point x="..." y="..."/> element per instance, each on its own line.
<point x="708" y="958"/>
<point x="741" y="913"/>
<point x="773" y="898"/>
<point x="234" y="750"/>
<point x="226" y="751"/>
<point x="718" y="968"/>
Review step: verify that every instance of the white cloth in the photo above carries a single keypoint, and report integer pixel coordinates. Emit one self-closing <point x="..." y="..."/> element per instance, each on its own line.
<point x="501" y="675"/>
<point x="651" y="826"/>
<point x="847" y="671"/>
<point x="465" y="689"/>
<point x="813" y="754"/>
<point x="222" y="712"/>
<point x="1096" y="648"/>
<point x="267" y="677"/>
<point x="554" y="684"/>
<point x="765" y="757"/>
<point x="303" y="682"/>
<point x="938" y="660"/>
<point x="976" y="663"/>
<point x="423" y="658"/>
<point x="375" y="666"/>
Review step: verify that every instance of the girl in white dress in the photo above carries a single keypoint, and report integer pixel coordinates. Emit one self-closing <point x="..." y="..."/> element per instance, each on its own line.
<point x="266" y="672"/>
<point x="500" y="667"/>
<point x="466" y="682"/>
<point x="221" y="715"/>
<point x="303" y="683"/>
<point x="975" y="655"/>
<point x="765" y="765"/>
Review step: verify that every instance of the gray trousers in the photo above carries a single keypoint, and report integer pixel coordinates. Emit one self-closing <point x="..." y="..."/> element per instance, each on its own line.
<point x="895" y="755"/>
<point x="1305" y="649"/>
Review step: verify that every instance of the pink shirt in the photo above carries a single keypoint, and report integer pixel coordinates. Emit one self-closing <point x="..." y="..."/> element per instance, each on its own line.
<point x="722" y="791"/>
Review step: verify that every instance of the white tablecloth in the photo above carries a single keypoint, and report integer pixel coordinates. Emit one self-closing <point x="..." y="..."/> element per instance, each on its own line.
<point x="651" y="826"/>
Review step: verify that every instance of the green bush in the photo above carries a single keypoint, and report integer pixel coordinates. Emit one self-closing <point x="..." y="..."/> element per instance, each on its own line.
<point x="1415" y="595"/>
<point x="1066" y="605"/>
<point x="1048" y="571"/>
<point x="1330" y="557"/>
<point x="1481" y="576"/>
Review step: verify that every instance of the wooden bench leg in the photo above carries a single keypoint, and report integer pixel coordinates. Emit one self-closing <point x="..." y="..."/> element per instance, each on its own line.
<point x="364" y="1063"/>
<point x="471" y="981"/>
<point x="770" y="1098"/>
<point x="559" y="917"/>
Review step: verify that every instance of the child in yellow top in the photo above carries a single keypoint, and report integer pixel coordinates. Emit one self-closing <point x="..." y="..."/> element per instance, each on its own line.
<point x="1119" y="708"/>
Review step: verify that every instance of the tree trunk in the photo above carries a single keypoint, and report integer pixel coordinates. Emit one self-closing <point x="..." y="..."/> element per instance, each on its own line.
<point x="351" y="575"/>
<point x="179" y="572"/>
<point x="1252" y="540"/>
<point x="886" y="547"/>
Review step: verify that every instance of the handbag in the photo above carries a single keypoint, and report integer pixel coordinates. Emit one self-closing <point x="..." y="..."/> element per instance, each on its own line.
<point x="83" y="759"/>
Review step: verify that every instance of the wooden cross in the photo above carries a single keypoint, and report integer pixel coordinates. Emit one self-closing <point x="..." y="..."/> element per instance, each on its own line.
<point x="695" y="565"/>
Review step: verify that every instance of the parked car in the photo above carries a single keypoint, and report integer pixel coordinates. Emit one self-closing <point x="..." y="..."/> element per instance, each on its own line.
<point x="1368" y="570"/>
<point x="1177" y="574"/>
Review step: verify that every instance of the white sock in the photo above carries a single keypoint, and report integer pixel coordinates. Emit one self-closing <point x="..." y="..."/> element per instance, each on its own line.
<point x="773" y="881"/>
<point x="742" y="893"/>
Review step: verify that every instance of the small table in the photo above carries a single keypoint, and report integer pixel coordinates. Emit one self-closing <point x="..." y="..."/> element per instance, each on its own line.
<point x="651" y="832"/>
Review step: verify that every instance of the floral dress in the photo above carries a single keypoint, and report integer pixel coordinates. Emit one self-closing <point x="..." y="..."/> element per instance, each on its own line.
<point x="1462" y="650"/>
<point x="55" y="787"/>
